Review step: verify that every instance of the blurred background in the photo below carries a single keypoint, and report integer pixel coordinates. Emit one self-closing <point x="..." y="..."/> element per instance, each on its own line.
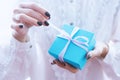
<point x="6" y="9"/>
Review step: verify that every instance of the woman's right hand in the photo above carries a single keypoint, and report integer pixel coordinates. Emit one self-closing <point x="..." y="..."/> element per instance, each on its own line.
<point x="26" y="16"/>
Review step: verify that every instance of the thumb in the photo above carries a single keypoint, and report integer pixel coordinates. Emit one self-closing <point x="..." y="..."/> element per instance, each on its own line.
<point x="17" y="27"/>
<point x="93" y="53"/>
<point x="20" y="29"/>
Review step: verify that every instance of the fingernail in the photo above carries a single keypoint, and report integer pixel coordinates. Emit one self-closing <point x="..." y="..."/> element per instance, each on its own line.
<point x="89" y="56"/>
<point x="53" y="63"/>
<point x="47" y="14"/>
<point x="39" y="23"/>
<point x="64" y="64"/>
<point x="20" y="26"/>
<point x="46" y="23"/>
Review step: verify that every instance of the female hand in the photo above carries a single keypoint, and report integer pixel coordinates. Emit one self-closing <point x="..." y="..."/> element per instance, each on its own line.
<point x="100" y="50"/>
<point x="26" y="16"/>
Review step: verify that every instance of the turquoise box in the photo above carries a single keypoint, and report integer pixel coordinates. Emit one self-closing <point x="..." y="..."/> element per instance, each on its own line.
<point x="77" y="46"/>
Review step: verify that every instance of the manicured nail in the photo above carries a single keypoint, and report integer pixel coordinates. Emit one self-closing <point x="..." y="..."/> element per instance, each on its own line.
<point x="39" y="23"/>
<point x="46" y="23"/>
<point x="47" y="14"/>
<point x="53" y="62"/>
<point x="89" y="56"/>
<point x="20" y="26"/>
<point x="64" y="64"/>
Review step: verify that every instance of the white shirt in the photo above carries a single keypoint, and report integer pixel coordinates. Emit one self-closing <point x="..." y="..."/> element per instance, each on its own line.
<point x="101" y="17"/>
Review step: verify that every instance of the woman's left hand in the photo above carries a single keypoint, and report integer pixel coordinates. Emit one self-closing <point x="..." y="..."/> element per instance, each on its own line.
<point x="101" y="49"/>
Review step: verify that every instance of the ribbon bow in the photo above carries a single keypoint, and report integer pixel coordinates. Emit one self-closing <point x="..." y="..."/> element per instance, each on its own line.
<point x="82" y="44"/>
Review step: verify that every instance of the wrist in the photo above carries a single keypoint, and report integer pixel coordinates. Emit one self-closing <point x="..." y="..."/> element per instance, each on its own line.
<point x="21" y="38"/>
<point x="105" y="50"/>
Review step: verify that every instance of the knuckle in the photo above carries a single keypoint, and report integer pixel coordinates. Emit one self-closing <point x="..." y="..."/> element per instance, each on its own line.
<point x="15" y="17"/>
<point x="16" y="10"/>
<point x="29" y="11"/>
<point x="21" y="16"/>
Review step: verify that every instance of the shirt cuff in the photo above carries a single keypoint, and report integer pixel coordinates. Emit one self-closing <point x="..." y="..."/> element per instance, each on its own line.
<point x="110" y="55"/>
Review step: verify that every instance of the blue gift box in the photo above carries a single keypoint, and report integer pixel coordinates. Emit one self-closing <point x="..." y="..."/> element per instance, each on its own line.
<point x="74" y="55"/>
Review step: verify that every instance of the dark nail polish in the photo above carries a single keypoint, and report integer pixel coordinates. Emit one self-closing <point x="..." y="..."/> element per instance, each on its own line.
<point x="46" y="23"/>
<point x="64" y="64"/>
<point x="20" y="26"/>
<point x="47" y="14"/>
<point x="39" y="23"/>
<point x="53" y="62"/>
<point x="89" y="56"/>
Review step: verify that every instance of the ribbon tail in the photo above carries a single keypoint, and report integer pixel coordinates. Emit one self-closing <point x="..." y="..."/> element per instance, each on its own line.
<point x="62" y="53"/>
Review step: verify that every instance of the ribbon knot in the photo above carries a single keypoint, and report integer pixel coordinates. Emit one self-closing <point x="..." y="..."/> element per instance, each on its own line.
<point x="80" y="43"/>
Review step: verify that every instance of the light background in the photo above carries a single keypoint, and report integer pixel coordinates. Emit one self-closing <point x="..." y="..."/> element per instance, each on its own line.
<point x="6" y="10"/>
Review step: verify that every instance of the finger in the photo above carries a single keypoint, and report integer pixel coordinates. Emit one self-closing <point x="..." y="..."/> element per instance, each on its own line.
<point x="66" y="66"/>
<point x="20" y="28"/>
<point x="70" y="68"/>
<point x="20" y="32"/>
<point x="17" y="27"/>
<point x="54" y="62"/>
<point x="27" y="20"/>
<point x="32" y="14"/>
<point x="89" y="54"/>
<point x="93" y="53"/>
<point x="60" y="64"/>
<point x="37" y="8"/>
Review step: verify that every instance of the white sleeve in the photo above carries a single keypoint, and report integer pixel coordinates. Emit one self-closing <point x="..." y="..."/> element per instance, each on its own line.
<point x="113" y="57"/>
<point x="8" y="52"/>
